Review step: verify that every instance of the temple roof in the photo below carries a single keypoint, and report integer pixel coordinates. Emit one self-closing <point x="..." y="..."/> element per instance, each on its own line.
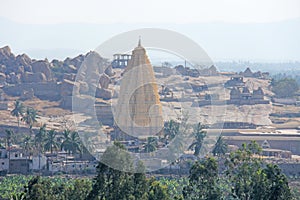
<point x="139" y="110"/>
<point x="246" y="90"/>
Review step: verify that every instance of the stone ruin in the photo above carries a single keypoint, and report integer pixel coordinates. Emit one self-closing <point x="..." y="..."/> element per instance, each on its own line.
<point x="166" y="93"/>
<point x="186" y="71"/>
<point x="242" y="96"/>
<point x="248" y="73"/>
<point x="235" y="81"/>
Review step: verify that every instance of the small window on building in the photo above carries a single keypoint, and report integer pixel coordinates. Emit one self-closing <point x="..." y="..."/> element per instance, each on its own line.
<point x="16" y="155"/>
<point x="3" y="163"/>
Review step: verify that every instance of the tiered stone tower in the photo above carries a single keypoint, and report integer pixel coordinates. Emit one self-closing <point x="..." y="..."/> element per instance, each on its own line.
<point x="139" y="111"/>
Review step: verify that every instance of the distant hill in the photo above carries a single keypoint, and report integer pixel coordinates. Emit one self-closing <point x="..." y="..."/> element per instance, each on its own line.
<point x="263" y="42"/>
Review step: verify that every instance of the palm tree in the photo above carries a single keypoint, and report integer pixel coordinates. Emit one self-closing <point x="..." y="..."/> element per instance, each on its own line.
<point x="71" y="141"/>
<point x="27" y="146"/>
<point x="66" y="140"/>
<point x="50" y="141"/>
<point x="220" y="148"/>
<point x="10" y="135"/>
<point x="26" y="143"/>
<point x="199" y="135"/>
<point x="30" y="117"/>
<point x="9" y="139"/>
<point x="171" y="129"/>
<point x="39" y="140"/>
<point x="18" y="111"/>
<point x="75" y="142"/>
<point x="151" y="144"/>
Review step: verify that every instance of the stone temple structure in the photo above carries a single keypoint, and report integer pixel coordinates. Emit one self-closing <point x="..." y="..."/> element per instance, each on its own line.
<point x="139" y="112"/>
<point x="245" y="97"/>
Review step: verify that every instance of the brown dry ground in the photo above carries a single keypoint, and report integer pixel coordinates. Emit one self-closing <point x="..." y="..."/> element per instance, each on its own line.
<point x="53" y="115"/>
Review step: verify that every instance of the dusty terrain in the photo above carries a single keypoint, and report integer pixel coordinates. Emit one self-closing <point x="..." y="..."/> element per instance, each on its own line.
<point x="58" y="118"/>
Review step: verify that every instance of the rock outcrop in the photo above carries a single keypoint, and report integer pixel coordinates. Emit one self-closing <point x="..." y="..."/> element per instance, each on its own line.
<point x="103" y="93"/>
<point x="29" y="77"/>
<point x="104" y="81"/>
<point x="2" y="78"/>
<point x="13" y="78"/>
<point x="25" y="77"/>
<point x="42" y="66"/>
<point x="27" y="94"/>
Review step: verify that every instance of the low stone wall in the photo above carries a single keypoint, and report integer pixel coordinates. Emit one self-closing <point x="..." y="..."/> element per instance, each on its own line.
<point x="208" y="102"/>
<point x="247" y="102"/>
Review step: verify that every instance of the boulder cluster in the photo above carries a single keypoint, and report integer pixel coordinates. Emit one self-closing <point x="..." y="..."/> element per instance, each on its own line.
<point x="22" y="76"/>
<point x="22" y="69"/>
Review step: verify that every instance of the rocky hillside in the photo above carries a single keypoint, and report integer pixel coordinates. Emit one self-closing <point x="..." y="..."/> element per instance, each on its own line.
<point x="25" y="77"/>
<point x="22" y="69"/>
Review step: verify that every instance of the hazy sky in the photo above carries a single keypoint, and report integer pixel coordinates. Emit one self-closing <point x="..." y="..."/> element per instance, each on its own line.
<point x="154" y="11"/>
<point x="227" y="29"/>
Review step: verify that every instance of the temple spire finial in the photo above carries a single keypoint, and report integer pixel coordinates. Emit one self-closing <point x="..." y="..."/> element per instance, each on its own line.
<point x="139" y="44"/>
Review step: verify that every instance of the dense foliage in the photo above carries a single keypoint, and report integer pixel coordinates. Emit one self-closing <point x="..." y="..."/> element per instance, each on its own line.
<point x="30" y="187"/>
<point x="285" y="87"/>
<point x="245" y="176"/>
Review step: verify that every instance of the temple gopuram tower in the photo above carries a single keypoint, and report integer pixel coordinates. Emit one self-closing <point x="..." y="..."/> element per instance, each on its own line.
<point x="139" y="112"/>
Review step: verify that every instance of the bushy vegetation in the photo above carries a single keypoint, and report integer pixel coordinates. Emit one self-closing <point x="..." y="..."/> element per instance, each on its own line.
<point x="245" y="177"/>
<point x="31" y="187"/>
<point x="284" y="87"/>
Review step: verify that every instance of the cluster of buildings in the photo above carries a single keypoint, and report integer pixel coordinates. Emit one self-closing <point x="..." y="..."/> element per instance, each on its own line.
<point x="17" y="161"/>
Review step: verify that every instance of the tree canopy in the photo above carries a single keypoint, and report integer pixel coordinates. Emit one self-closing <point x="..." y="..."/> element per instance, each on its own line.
<point x="285" y="87"/>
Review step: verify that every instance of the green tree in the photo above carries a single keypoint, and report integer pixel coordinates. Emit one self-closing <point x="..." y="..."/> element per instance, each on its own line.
<point x="285" y="87"/>
<point x="39" y="141"/>
<point x="114" y="181"/>
<point x="10" y="135"/>
<point x="203" y="181"/>
<point x="199" y="135"/>
<point x="151" y="144"/>
<point x="27" y="146"/>
<point x="81" y="189"/>
<point x="277" y="183"/>
<point x="29" y="117"/>
<point x="250" y="179"/>
<point x="220" y="147"/>
<point x="27" y="143"/>
<point x="66" y="140"/>
<point x="18" y="111"/>
<point x="51" y="141"/>
<point x="71" y="141"/>
<point x="140" y="183"/>
<point x="171" y="129"/>
<point x="157" y="191"/>
<point x="42" y="188"/>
